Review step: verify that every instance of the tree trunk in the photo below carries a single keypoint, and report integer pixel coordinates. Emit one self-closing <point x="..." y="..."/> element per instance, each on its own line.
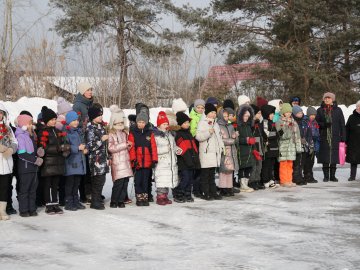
<point x="124" y="91"/>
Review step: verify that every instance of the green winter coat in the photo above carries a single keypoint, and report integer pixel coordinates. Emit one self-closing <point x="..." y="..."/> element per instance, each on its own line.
<point x="290" y="140"/>
<point x="246" y="156"/>
<point x="195" y="119"/>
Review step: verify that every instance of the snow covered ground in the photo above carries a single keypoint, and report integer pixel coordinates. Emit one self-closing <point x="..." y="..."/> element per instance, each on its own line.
<point x="311" y="227"/>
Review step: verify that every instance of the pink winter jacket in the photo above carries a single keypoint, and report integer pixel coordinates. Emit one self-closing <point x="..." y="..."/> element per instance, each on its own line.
<point x="120" y="161"/>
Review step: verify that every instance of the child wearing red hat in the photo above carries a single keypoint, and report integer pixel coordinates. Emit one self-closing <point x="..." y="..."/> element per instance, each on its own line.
<point x="166" y="170"/>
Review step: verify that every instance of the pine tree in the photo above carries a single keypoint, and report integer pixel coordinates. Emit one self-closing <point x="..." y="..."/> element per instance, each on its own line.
<point x="312" y="45"/>
<point x="132" y="24"/>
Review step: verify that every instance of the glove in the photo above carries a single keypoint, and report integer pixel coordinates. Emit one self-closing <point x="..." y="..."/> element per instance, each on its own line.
<point x="3" y="148"/>
<point x="40" y="152"/>
<point x="153" y="165"/>
<point x="39" y="162"/>
<point x="65" y="148"/>
<point x="251" y="140"/>
<point x="257" y="155"/>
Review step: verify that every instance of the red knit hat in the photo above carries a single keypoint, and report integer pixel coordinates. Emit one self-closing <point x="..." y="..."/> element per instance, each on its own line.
<point x="162" y="118"/>
<point x="261" y="102"/>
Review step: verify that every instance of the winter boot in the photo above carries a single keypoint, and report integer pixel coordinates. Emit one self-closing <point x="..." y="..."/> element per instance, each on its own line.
<point x="24" y="214"/>
<point x="139" y="201"/>
<point x="69" y="204"/>
<point x="235" y="190"/>
<point x="145" y="199"/>
<point x="179" y="197"/>
<point x="10" y="209"/>
<point x="96" y="204"/>
<point x="326" y="171"/>
<point x="167" y="199"/>
<point x="161" y="199"/>
<point x="121" y="205"/>
<point x="3" y="215"/>
<point x="77" y="203"/>
<point x="189" y="198"/>
<point x="58" y="210"/>
<point x="113" y="204"/>
<point x="49" y="209"/>
<point x="332" y="175"/>
<point x="231" y="192"/>
<point x="253" y="185"/>
<point x="244" y="185"/>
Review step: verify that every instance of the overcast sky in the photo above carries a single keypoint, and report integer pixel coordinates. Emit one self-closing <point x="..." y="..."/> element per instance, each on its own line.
<point x="33" y="19"/>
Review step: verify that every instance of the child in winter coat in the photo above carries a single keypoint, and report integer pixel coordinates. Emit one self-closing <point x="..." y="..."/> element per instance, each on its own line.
<point x="28" y="163"/>
<point x="8" y="146"/>
<point x="196" y="114"/>
<point x="211" y="148"/>
<point x="166" y="170"/>
<point x="271" y="141"/>
<point x="229" y="160"/>
<point x="310" y="158"/>
<point x="188" y="159"/>
<point x="246" y="146"/>
<point x="75" y="163"/>
<point x="120" y="159"/>
<point x="258" y="133"/>
<point x="307" y="146"/>
<point x="96" y="143"/>
<point x="143" y="155"/>
<point x="52" y="140"/>
<point x="289" y="145"/>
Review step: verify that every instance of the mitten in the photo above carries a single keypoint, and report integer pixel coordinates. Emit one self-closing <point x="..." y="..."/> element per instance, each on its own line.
<point x="40" y="152"/>
<point x="39" y="161"/>
<point x="3" y="148"/>
<point x="251" y="140"/>
<point x="8" y="153"/>
<point x="257" y="155"/>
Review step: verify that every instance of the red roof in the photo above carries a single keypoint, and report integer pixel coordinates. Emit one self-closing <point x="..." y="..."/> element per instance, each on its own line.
<point x="229" y="75"/>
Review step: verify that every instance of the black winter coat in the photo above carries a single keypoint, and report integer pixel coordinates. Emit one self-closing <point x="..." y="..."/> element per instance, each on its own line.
<point x="189" y="159"/>
<point x="53" y="144"/>
<point x="353" y="138"/>
<point x="332" y="131"/>
<point x="271" y="139"/>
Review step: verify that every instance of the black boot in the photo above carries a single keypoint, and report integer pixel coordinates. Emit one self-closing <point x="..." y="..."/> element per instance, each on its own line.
<point x="332" y="174"/>
<point x="326" y="171"/>
<point x="113" y="204"/>
<point x="10" y="209"/>
<point x="69" y="204"/>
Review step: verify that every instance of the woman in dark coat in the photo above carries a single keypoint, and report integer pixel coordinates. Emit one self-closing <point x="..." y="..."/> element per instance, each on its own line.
<point x="352" y="141"/>
<point x="332" y="131"/>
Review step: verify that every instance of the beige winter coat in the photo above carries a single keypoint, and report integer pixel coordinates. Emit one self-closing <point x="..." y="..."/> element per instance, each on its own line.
<point x="211" y="145"/>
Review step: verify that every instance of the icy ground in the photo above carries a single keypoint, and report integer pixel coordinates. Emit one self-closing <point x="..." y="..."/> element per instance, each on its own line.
<point x="311" y="227"/>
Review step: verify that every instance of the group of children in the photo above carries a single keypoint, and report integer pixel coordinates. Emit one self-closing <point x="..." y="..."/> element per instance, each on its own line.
<point x="182" y="154"/>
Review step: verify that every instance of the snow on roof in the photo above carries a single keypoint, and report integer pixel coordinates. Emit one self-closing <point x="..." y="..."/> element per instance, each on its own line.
<point x="230" y="75"/>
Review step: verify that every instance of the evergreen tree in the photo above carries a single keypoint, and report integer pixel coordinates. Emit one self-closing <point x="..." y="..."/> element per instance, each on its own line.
<point x="134" y="26"/>
<point x="312" y="45"/>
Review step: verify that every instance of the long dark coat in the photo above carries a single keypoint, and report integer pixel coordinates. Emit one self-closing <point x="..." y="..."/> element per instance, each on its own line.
<point x="353" y="138"/>
<point x="332" y="131"/>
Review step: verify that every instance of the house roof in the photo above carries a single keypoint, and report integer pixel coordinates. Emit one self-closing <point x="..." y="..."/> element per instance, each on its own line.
<point x="229" y="75"/>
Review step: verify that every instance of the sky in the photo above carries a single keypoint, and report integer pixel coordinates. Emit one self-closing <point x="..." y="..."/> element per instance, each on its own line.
<point x="33" y="20"/>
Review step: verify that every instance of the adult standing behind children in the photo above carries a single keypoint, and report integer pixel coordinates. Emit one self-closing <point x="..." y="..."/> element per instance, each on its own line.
<point x="332" y="131"/>
<point x="352" y="141"/>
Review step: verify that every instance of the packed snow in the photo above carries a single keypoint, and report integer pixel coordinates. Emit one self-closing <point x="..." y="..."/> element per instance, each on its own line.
<point x="310" y="227"/>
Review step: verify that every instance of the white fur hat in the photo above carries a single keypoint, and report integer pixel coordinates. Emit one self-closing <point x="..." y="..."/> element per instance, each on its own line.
<point x="117" y="115"/>
<point x="179" y="105"/>
<point x="242" y="99"/>
<point x="276" y="104"/>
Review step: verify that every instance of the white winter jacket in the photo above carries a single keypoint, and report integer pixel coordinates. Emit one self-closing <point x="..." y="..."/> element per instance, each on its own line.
<point x="6" y="164"/>
<point x="166" y="170"/>
<point x="211" y="145"/>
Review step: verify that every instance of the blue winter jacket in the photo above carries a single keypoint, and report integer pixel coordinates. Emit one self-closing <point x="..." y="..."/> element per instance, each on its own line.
<point x="75" y="163"/>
